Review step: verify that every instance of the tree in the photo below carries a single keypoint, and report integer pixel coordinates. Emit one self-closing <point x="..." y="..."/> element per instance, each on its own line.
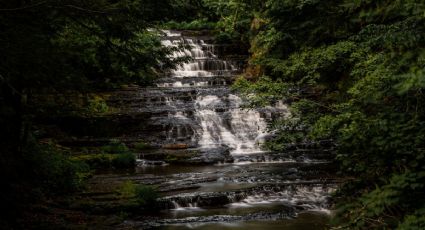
<point x="66" y="45"/>
<point x="354" y="72"/>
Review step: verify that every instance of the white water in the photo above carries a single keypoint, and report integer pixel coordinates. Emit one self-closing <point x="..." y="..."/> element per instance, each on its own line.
<point x="240" y="130"/>
<point x="311" y="198"/>
<point x="203" y="60"/>
<point x="239" y="134"/>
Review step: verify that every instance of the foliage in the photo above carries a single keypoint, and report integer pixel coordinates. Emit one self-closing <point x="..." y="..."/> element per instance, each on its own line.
<point x="264" y="92"/>
<point x="353" y="72"/>
<point x="115" y="147"/>
<point x="97" y="105"/>
<point x="106" y="161"/>
<point x="127" y="189"/>
<point x="77" y="44"/>
<point x="234" y="18"/>
<point x="60" y="175"/>
<point x="50" y="46"/>
<point x="96" y="161"/>
<point x="144" y="195"/>
<point x="115" y="155"/>
<point x="198" y="24"/>
<point x="140" y="146"/>
<point x="124" y="160"/>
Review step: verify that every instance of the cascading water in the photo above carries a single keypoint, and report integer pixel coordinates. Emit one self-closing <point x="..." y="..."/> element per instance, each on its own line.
<point x="192" y="117"/>
<point x="236" y="128"/>
<point x="221" y="120"/>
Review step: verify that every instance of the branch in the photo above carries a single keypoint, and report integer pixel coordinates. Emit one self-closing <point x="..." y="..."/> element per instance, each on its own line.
<point x="89" y="10"/>
<point x="24" y="8"/>
<point x="14" y="90"/>
<point x="86" y="10"/>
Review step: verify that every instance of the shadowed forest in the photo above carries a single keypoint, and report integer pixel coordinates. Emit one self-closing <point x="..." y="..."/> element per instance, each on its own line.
<point x="206" y="114"/>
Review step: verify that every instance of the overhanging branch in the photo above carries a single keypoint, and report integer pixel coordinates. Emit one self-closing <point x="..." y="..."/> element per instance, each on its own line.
<point x="24" y="7"/>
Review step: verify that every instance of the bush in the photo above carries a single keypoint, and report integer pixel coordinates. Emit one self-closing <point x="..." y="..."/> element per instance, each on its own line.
<point x="105" y="161"/>
<point x="146" y="196"/>
<point x="115" y="147"/>
<point x="125" y="160"/>
<point x="142" y="146"/>
<point x="198" y="24"/>
<point x="224" y="37"/>
<point x="97" y="105"/>
<point x="127" y="190"/>
<point x="56" y="173"/>
<point x="95" y="161"/>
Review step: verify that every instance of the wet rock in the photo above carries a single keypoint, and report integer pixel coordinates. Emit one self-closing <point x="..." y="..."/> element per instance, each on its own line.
<point x="173" y="156"/>
<point x="297" y="194"/>
<point x="212" y="156"/>
<point x="147" y="224"/>
<point x="292" y="170"/>
<point x="210" y="199"/>
<point x="173" y="188"/>
<point x="175" y="146"/>
<point x="142" y="162"/>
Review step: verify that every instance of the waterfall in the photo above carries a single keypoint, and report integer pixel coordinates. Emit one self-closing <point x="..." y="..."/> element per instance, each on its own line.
<point x="235" y="128"/>
<point x="221" y="121"/>
<point x="204" y="154"/>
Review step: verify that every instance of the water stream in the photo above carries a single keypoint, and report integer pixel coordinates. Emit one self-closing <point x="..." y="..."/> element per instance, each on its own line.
<point x="243" y="187"/>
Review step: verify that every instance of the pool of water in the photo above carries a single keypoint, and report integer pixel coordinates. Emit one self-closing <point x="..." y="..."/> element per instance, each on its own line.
<point x="304" y="221"/>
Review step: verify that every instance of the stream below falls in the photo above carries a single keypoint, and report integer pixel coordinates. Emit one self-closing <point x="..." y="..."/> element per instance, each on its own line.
<point x="282" y="194"/>
<point x="228" y="182"/>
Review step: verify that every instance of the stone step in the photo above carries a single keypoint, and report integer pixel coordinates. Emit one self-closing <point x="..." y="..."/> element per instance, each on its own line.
<point x="296" y="193"/>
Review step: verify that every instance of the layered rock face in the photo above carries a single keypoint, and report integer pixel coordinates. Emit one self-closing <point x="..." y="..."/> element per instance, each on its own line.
<point x="190" y="111"/>
<point x="194" y="107"/>
<point x="203" y="150"/>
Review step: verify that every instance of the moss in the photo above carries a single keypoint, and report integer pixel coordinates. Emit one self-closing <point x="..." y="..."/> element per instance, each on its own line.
<point x="181" y="157"/>
<point x="142" y="146"/>
<point x="176" y="158"/>
<point x="143" y="195"/>
<point x="127" y="189"/>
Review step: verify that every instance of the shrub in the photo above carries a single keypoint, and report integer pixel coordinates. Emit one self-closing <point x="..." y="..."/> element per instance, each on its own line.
<point x="105" y="161"/>
<point x="142" y="146"/>
<point x="146" y="196"/>
<point x="127" y="190"/>
<point x="97" y="105"/>
<point x="124" y="160"/>
<point x="96" y="161"/>
<point x="223" y="37"/>
<point x="198" y="24"/>
<point x="56" y="172"/>
<point x="115" y="147"/>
